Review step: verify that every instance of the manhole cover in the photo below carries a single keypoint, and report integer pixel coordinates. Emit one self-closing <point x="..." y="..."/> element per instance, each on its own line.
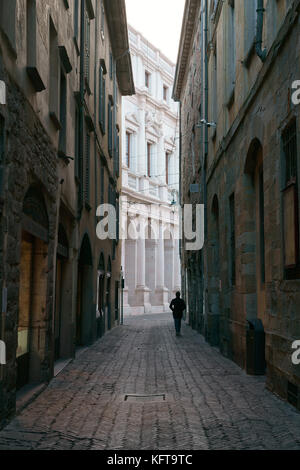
<point x="145" y="398"/>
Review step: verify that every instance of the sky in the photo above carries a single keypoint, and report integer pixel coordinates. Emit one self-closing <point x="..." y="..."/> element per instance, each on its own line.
<point x="159" y="21"/>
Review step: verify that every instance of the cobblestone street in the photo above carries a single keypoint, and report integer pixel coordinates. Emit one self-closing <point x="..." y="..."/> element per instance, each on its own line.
<point x="210" y="403"/>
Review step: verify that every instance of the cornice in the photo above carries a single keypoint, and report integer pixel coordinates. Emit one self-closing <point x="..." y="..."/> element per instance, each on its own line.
<point x="185" y="46"/>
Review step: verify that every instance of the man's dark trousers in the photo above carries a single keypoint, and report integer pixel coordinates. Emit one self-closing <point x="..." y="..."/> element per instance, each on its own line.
<point x="177" y="322"/>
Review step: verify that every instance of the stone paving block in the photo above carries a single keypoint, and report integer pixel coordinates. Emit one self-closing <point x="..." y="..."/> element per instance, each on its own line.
<point x="210" y="402"/>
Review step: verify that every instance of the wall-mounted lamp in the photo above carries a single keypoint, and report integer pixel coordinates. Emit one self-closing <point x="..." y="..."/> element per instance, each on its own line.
<point x="203" y="122"/>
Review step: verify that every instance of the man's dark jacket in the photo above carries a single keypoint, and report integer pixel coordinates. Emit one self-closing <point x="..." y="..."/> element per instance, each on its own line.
<point x="177" y="306"/>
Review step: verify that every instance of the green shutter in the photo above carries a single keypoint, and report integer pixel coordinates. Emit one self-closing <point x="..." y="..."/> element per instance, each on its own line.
<point x="110" y="139"/>
<point x="2" y="140"/>
<point x="87" y="47"/>
<point x="102" y="186"/>
<point x="100" y="96"/>
<point x="87" y="168"/>
<point x="102" y="100"/>
<point x="104" y="105"/>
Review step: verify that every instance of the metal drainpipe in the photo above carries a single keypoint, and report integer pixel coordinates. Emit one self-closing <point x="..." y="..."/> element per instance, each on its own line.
<point x="262" y="54"/>
<point x="95" y="113"/>
<point x="181" y="236"/>
<point x="204" y="157"/>
<point x="81" y="112"/>
<point x="180" y="177"/>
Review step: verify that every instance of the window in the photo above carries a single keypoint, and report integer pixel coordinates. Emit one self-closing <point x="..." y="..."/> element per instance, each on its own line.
<point x="102" y="185"/>
<point x="147" y="79"/>
<point x="165" y="93"/>
<point x="63" y="113"/>
<point x="250" y="25"/>
<point x="232" y="238"/>
<point x="77" y="142"/>
<point x="214" y="101"/>
<point x="117" y="152"/>
<point x="149" y="159"/>
<point x="111" y="66"/>
<point x="167" y="168"/>
<point x="110" y="128"/>
<point x="290" y="202"/>
<point x="102" y="20"/>
<point x="2" y="139"/>
<point x="87" y="49"/>
<point x="118" y="220"/>
<point x="102" y="98"/>
<point x="231" y="52"/>
<point x="54" y="76"/>
<point x="128" y="149"/>
<point x="76" y="22"/>
<point x="8" y="16"/>
<point x="31" y="59"/>
<point x="87" y="169"/>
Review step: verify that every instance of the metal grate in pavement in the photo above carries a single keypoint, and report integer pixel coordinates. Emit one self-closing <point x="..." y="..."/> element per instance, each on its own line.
<point x="145" y="398"/>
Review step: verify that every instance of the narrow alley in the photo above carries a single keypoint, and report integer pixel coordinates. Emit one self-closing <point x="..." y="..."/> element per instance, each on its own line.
<point x="141" y="387"/>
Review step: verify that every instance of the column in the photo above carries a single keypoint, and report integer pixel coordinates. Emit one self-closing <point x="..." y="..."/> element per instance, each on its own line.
<point x="160" y="273"/>
<point x="142" y="293"/>
<point x="177" y="267"/>
<point x="161" y="292"/>
<point x="141" y="256"/>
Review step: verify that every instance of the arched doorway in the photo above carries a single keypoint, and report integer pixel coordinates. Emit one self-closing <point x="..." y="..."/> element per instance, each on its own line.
<point x="32" y="318"/>
<point x="108" y="294"/>
<point x="61" y="261"/>
<point x="190" y="292"/>
<point x="101" y="297"/>
<point x="214" y="278"/>
<point x="254" y="211"/>
<point x="84" y="294"/>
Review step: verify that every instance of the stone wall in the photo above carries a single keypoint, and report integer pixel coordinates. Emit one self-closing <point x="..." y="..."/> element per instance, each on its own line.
<point x="29" y="160"/>
<point x="248" y="129"/>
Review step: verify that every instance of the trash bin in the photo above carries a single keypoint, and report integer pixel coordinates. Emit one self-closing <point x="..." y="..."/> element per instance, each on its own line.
<point x="255" y="339"/>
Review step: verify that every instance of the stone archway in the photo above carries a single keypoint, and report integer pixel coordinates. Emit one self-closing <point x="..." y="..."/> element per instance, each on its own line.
<point x="61" y="320"/>
<point x="32" y="318"/>
<point x="253" y="223"/>
<point x="101" y="297"/>
<point x="85" y="313"/>
<point x="108" y="293"/>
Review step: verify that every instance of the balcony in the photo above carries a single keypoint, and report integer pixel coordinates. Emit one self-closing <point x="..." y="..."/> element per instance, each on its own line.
<point x="147" y="187"/>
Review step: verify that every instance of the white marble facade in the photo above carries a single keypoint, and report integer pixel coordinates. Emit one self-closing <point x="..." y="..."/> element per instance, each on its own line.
<point x="150" y="179"/>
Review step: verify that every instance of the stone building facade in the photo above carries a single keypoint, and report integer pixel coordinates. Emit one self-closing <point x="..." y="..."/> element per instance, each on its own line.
<point x="241" y="118"/>
<point x="58" y="162"/>
<point x="150" y="182"/>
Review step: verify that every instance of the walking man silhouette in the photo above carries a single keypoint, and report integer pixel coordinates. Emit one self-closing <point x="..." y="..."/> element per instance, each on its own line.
<point x="177" y="306"/>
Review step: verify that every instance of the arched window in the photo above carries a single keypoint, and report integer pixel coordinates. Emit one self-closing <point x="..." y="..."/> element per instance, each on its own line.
<point x="35" y="217"/>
